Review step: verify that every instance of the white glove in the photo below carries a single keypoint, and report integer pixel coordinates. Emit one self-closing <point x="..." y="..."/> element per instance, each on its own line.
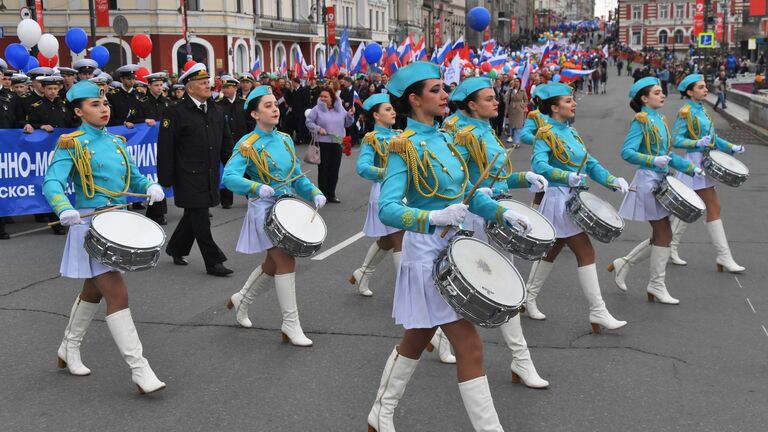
<point x="319" y="201"/>
<point x="621" y="185"/>
<point x="519" y="222"/>
<point x="739" y="149"/>
<point x="155" y="193"/>
<point x="487" y="191"/>
<point x="266" y="191"/>
<point x="704" y="142"/>
<point x="70" y="217"/>
<point x="575" y="179"/>
<point x="661" y="161"/>
<point x="451" y="215"/>
<point x="538" y="183"/>
<point x="698" y="172"/>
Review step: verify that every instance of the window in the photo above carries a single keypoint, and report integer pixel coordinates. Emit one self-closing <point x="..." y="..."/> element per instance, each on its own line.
<point x="193" y="5"/>
<point x="239" y="6"/>
<point x="663" y="11"/>
<point x="112" y="4"/>
<point x="117" y="55"/>
<point x="663" y="35"/>
<point x="636" y="38"/>
<point x="370" y="18"/>
<point x="319" y="60"/>
<point x="679" y="35"/>
<point x="241" y="59"/>
<point x="279" y="57"/>
<point x="637" y="12"/>
<point x="680" y="10"/>
<point x="259" y="55"/>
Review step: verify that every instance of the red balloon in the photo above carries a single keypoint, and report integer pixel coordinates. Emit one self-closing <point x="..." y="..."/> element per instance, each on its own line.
<point x="485" y="67"/>
<point x="141" y="45"/>
<point x="141" y="74"/>
<point x="189" y="64"/>
<point x="47" y="62"/>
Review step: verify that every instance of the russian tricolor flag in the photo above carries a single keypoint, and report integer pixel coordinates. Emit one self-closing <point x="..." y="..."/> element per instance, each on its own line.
<point x="420" y="50"/>
<point x="256" y="69"/>
<point x="404" y="51"/>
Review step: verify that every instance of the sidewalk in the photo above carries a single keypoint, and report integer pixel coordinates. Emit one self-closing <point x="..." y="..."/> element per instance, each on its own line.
<point x="737" y="114"/>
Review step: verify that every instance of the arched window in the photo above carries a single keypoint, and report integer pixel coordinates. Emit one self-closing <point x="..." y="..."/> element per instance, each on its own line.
<point x="663" y="35"/>
<point x="319" y="59"/>
<point x="294" y="51"/>
<point x="241" y="59"/>
<point x="679" y="35"/>
<point x="199" y="54"/>
<point x="279" y="57"/>
<point x="258" y="54"/>
<point x="117" y="56"/>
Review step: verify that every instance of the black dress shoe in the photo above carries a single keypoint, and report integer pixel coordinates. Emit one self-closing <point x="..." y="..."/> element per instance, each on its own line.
<point x="179" y="260"/>
<point x="218" y="270"/>
<point x="162" y="221"/>
<point x="210" y="215"/>
<point x="59" y="229"/>
<point x="4" y="236"/>
<point x="334" y="200"/>
<point x="226" y="206"/>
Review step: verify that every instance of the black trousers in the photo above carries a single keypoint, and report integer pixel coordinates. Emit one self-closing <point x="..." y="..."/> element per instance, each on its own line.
<point x="157" y="210"/>
<point x="226" y="196"/>
<point x="328" y="170"/>
<point x="195" y="225"/>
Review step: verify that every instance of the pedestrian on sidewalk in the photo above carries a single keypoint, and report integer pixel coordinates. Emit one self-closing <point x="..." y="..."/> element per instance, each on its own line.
<point x="721" y="85"/>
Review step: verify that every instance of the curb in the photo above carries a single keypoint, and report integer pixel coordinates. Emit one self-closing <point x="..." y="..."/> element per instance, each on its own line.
<point x="757" y="130"/>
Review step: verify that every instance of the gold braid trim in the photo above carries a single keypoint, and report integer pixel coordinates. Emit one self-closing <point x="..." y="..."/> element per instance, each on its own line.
<point x="534" y="115"/>
<point x="555" y="144"/>
<point x="81" y="158"/>
<point x="67" y="141"/>
<point x="478" y="150"/>
<point x="372" y="140"/>
<point x="651" y="134"/>
<point x="693" y="124"/>
<point x="450" y="125"/>
<point x="261" y="160"/>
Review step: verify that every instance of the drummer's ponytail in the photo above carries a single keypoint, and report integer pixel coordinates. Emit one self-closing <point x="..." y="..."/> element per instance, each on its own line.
<point x="546" y="105"/>
<point x="401" y="104"/>
<point x="637" y="102"/>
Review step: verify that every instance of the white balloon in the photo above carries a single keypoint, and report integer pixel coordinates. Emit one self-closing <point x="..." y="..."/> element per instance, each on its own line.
<point x="28" y="32"/>
<point x="307" y="111"/>
<point x="48" y="45"/>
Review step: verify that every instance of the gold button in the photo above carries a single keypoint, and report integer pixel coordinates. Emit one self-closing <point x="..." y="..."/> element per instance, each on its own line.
<point x="461" y="168"/>
<point x="114" y="140"/>
<point x="122" y="177"/>
<point x="85" y="142"/>
<point x="122" y="163"/>
<point x="445" y="169"/>
<point x="423" y="143"/>
<point x="105" y="179"/>
<point x="93" y="152"/>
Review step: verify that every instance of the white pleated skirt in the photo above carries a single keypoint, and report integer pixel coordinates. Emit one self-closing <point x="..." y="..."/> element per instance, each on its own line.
<point x="641" y="205"/>
<point x="75" y="262"/>
<point x="417" y="303"/>
<point x="253" y="239"/>
<point x="553" y="208"/>
<point x="694" y="182"/>
<point x="477" y="224"/>
<point x="373" y="226"/>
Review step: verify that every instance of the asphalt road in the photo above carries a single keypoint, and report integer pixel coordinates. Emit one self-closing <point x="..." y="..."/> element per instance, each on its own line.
<point x="699" y="366"/>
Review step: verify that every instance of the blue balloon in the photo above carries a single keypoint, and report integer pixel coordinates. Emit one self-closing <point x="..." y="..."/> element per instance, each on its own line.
<point x="373" y="53"/>
<point x="31" y="64"/>
<point x="506" y="68"/>
<point x="556" y="78"/>
<point x="478" y="18"/>
<point x="17" y="55"/>
<point x="472" y="54"/>
<point x="100" y="55"/>
<point x="76" y="40"/>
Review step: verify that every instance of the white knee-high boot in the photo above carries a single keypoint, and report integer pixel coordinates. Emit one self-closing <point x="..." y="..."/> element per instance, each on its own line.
<point x="396" y="257"/>
<point x="285" y="286"/>
<point x="678" y="229"/>
<point x="240" y="300"/>
<point x="657" y="287"/>
<point x="598" y="313"/>
<point x="394" y="379"/>
<point x="363" y="274"/>
<point x="440" y="341"/>
<point x="522" y="366"/>
<point x="127" y="340"/>
<point x="622" y="265"/>
<point x="539" y="274"/>
<point x="69" y="351"/>
<point x="724" y="259"/>
<point x="478" y="402"/>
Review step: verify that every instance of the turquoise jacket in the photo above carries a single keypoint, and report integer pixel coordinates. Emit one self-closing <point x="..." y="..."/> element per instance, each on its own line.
<point x="535" y="120"/>
<point x="648" y="137"/>
<point x="450" y="123"/>
<point x="372" y="160"/>
<point x="559" y="151"/>
<point x="444" y="165"/>
<point x="268" y="158"/>
<point x="480" y="142"/>
<point x="693" y="123"/>
<point x="98" y="158"/>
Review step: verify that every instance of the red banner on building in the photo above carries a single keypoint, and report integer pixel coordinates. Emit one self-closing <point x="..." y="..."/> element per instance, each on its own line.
<point x="513" y="22"/>
<point x="698" y="17"/>
<point x="437" y="34"/>
<point x="719" y="27"/>
<point x="535" y="21"/>
<point x="39" y="14"/>
<point x="102" y="13"/>
<point x="331" y="18"/>
<point x="758" y="8"/>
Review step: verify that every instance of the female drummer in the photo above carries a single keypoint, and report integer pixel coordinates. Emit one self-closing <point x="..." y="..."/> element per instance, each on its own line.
<point x="371" y="165"/>
<point x="269" y="159"/>
<point x="425" y="168"/>
<point x="647" y="145"/>
<point x="536" y="119"/>
<point x="103" y="172"/>
<point x="477" y="102"/>
<point x="560" y="155"/>
<point x="694" y="133"/>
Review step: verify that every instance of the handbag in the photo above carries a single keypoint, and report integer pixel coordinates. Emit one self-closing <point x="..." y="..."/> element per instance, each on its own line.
<point x="312" y="155"/>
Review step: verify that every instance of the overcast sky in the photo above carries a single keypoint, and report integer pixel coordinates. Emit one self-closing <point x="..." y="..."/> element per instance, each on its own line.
<point x="603" y="6"/>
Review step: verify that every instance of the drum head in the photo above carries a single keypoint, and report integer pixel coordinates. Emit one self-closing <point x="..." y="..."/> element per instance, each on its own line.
<point x="729" y="162"/>
<point x="488" y="271"/>
<point x="602" y="208"/>
<point x="542" y="228"/>
<point x="687" y="193"/>
<point x="295" y="215"/>
<point x="128" y="229"/>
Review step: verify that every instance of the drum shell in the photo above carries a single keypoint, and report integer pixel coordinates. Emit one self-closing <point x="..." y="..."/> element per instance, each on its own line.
<point x="119" y="257"/>
<point x="585" y="219"/>
<point x="509" y="240"/>
<point x="721" y="173"/>
<point x="285" y="241"/>
<point x="675" y="203"/>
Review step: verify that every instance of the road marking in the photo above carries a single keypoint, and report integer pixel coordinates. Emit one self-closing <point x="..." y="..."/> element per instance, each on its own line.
<point x="750" y="306"/>
<point x="737" y="281"/>
<point x="764" y="330"/>
<point x="339" y="247"/>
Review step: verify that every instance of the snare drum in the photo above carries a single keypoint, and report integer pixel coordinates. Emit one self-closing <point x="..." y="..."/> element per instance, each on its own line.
<point x="479" y="282"/>
<point x="531" y="247"/>
<point x="595" y="216"/>
<point x="724" y="168"/>
<point x="124" y="240"/>
<point x="291" y="228"/>
<point x="680" y="200"/>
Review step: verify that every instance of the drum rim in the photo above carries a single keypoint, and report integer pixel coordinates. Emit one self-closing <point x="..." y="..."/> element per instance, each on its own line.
<point x="529" y="236"/>
<point x="582" y="205"/>
<point x="301" y="201"/>
<point x="101" y="236"/>
<point x="717" y="153"/>
<point x="673" y="187"/>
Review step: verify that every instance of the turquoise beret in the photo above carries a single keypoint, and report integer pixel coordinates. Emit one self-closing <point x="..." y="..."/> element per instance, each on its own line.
<point x="690" y="79"/>
<point x="548" y="91"/>
<point x="413" y="73"/>
<point x="469" y="86"/>
<point x="259" y="91"/>
<point x="84" y="89"/>
<point x="375" y="99"/>
<point x="643" y="83"/>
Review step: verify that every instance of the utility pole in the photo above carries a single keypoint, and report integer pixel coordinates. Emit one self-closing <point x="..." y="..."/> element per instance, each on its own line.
<point x="92" y="14"/>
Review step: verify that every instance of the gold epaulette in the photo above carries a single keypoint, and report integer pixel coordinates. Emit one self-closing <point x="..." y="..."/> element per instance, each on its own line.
<point x="247" y="145"/>
<point x="67" y="141"/>
<point x="544" y="131"/>
<point x="38" y="103"/>
<point x="533" y="115"/>
<point x="642" y="117"/>
<point x="685" y="112"/>
<point x="465" y="137"/>
<point x="284" y="134"/>
<point x="399" y="144"/>
<point x="125" y="140"/>
<point x="450" y="125"/>
<point x="370" y="138"/>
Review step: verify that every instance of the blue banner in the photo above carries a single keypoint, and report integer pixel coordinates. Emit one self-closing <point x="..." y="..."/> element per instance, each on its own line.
<point x="24" y="160"/>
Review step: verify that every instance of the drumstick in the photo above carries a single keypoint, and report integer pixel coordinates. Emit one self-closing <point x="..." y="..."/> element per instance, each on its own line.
<point x="136" y="194"/>
<point x="314" y="214"/>
<point x="59" y="222"/>
<point x="581" y="166"/>
<point x="279" y="185"/>
<point x="501" y="168"/>
<point x="483" y="176"/>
